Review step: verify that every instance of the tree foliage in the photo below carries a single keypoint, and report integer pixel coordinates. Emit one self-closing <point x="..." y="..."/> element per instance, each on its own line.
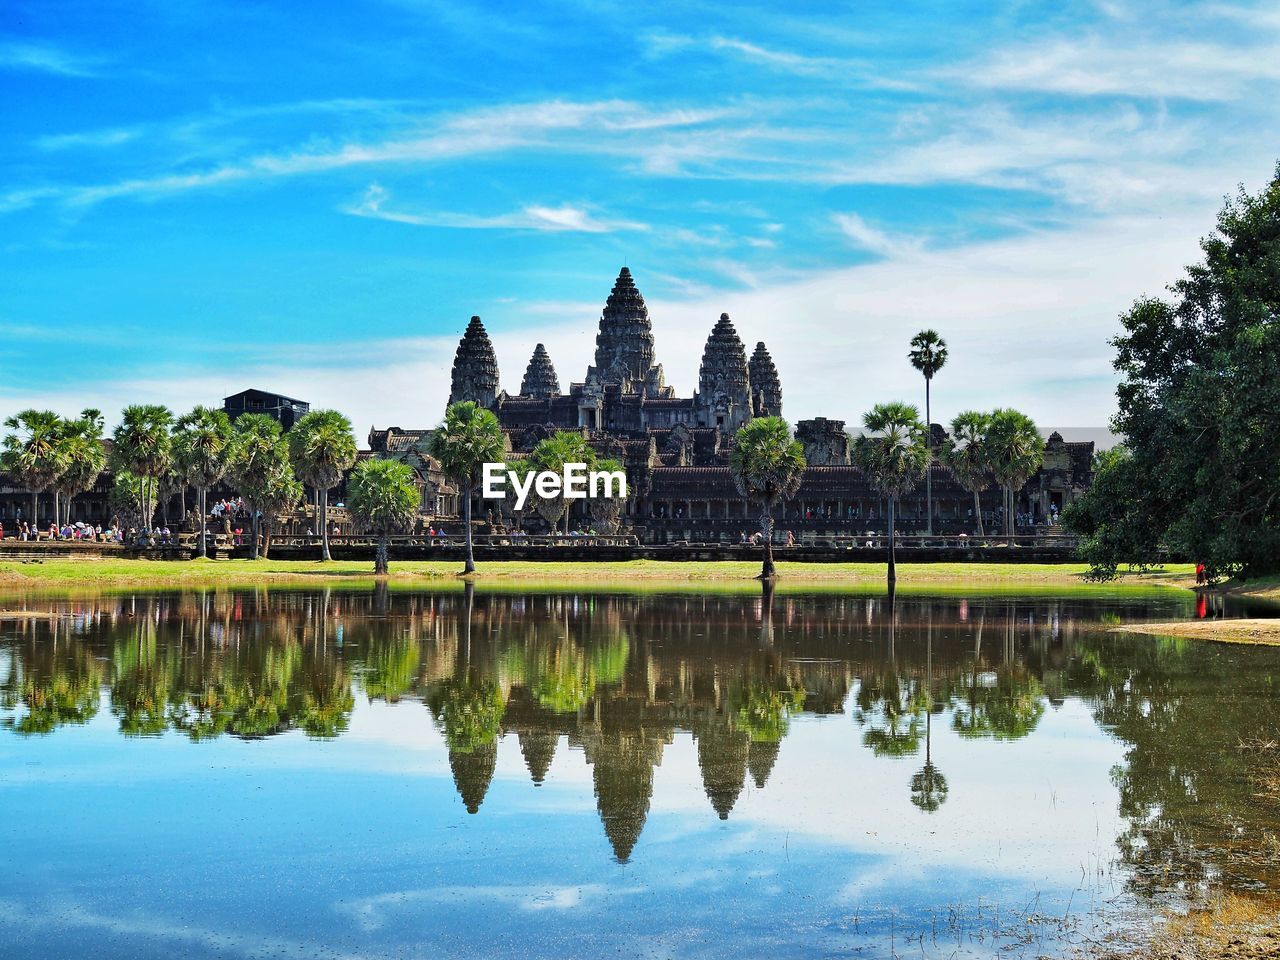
<point x="1199" y="407"/>
<point x="767" y="466"/>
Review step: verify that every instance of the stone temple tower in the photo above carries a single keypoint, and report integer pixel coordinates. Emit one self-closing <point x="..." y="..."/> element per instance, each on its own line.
<point x="540" y="378"/>
<point x="724" y="380"/>
<point x="475" y="368"/>
<point x="624" y="345"/>
<point x="766" y="388"/>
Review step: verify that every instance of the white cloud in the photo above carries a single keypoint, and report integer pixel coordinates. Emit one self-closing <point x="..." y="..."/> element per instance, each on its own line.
<point x="1027" y="319"/>
<point x="1093" y="66"/>
<point x="532" y="217"/>
<point x="873" y="240"/>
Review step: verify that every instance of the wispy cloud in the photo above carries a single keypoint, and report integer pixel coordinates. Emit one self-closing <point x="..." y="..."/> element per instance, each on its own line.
<point x="39" y="58"/>
<point x="552" y="123"/>
<point x="1094" y="66"/>
<point x="374" y="205"/>
<point x="873" y="240"/>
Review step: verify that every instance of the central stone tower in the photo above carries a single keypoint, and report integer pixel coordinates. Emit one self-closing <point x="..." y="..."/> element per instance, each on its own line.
<point x="624" y="345"/>
<point x="724" y="381"/>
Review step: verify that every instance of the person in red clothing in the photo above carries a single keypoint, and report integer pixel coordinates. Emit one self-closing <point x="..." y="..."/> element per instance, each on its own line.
<point x="1200" y="577"/>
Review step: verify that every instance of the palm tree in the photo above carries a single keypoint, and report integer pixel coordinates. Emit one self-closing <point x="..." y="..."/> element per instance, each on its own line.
<point x="31" y="452"/>
<point x="323" y="450"/>
<point x="605" y="510"/>
<point x="81" y="457"/>
<point x="551" y="455"/>
<point x="967" y="456"/>
<point x="144" y="447"/>
<point x="1016" y="452"/>
<point x="258" y="455"/>
<point x="928" y="355"/>
<point x="202" y="450"/>
<point x="281" y="493"/>
<point x="383" y="498"/>
<point x="469" y="438"/>
<point x="892" y="453"/>
<point x="767" y="466"/>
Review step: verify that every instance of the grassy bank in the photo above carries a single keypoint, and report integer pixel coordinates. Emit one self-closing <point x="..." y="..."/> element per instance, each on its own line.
<point x="993" y="577"/>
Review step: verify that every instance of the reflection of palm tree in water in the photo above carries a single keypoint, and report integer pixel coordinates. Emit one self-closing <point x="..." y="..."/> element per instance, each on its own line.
<point x="929" y="786"/>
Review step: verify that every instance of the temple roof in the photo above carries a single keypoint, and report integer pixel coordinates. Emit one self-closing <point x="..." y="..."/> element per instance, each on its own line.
<point x="540" y="378"/>
<point x="724" y="359"/>
<point x="624" y="344"/>
<point x="765" y="384"/>
<point x="475" y="367"/>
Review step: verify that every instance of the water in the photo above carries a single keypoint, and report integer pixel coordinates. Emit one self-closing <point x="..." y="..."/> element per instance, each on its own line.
<point x="409" y="774"/>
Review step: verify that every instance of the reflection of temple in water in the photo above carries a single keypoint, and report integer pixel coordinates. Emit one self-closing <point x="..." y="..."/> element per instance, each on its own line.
<point x="615" y="679"/>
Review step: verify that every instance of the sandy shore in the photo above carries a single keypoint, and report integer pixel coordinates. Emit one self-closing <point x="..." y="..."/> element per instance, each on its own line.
<point x="1252" y="631"/>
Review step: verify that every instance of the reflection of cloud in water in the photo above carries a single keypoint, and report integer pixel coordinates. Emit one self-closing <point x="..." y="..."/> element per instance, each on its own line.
<point x="372" y="913"/>
<point x="60" y="914"/>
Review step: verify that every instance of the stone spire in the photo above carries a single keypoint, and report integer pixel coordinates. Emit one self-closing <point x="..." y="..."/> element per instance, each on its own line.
<point x="540" y="378"/>
<point x="624" y="345"/>
<point x="473" y="772"/>
<point x="724" y="380"/>
<point x="765" y="386"/>
<point x="475" y="367"/>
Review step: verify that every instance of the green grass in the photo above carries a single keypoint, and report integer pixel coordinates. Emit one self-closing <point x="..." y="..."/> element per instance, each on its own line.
<point x="1011" y="578"/>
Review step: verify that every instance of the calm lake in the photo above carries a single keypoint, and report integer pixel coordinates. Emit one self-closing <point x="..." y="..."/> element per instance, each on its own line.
<point x="361" y="773"/>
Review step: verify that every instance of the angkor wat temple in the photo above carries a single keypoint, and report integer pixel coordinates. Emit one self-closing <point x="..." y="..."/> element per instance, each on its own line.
<point x="676" y="449"/>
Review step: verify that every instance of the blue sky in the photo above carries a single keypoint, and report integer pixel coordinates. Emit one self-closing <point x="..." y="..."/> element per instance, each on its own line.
<point x="314" y="197"/>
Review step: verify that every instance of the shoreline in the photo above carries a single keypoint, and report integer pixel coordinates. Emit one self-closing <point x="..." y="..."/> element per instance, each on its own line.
<point x="655" y="574"/>
<point x="1243" y="630"/>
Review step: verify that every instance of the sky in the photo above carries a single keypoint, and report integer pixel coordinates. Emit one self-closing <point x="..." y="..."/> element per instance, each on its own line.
<point x="313" y="198"/>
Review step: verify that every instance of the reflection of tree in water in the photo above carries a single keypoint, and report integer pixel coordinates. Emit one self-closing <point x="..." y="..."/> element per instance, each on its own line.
<point x="55" y="683"/>
<point x="1186" y="787"/>
<point x="1006" y="706"/>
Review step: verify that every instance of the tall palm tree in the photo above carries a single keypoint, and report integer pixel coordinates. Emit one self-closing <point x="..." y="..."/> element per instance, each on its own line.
<point x="551" y="455"/>
<point x="323" y="450"/>
<point x="928" y="355"/>
<point x="767" y="466"/>
<point x="469" y="438"/>
<point x="1016" y="452"/>
<point x="144" y="447"/>
<point x="384" y="498"/>
<point x="258" y="454"/>
<point x="81" y="457"/>
<point x="892" y="453"/>
<point x="202" y="451"/>
<point x="31" y="452"/>
<point x="968" y="457"/>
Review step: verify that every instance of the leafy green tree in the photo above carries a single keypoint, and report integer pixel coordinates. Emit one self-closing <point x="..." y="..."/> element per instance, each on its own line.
<point x="144" y="447"/>
<point x="551" y="455"/>
<point x="202" y="444"/>
<point x="322" y="449"/>
<point x="891" y="452"/>
<point x="968" y="458"/>
<point x="469" y="438"/>
<point x="32" y="453"/>
<point x="383" y="498"/>
<point x="1016" y="453"/>
<point x="767" y="466"/>
<point x="928" y="355"/>
<point x="81" y="457"/>
<point x="259" y="455"/>
<point x="1199" y="408"/>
